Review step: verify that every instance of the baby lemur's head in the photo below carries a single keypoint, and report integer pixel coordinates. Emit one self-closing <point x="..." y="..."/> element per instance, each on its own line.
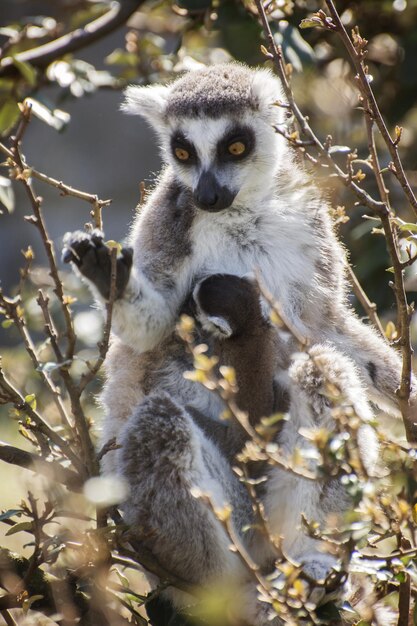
<point x="216" y="130"/>
<point x="229" y="306"/>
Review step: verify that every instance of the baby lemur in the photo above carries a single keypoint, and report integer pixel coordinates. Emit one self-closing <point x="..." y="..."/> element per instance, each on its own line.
<point x="230" y="200"/>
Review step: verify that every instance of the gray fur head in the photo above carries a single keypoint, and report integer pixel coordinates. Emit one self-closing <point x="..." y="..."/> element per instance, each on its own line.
<point x="207" y="115"/>
<point x="215" y="91"/>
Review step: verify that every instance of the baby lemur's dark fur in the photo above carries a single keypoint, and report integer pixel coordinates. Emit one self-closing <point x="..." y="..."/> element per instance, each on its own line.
<point x="250" y="348"/>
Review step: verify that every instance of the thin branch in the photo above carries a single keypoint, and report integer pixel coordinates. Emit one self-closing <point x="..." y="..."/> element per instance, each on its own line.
<point x="8" y="393"/>
<point x="148" y="561"/>
<point x="275" y="54"/>
<point x="404" y="601"/>
<point x="368" y="306"/>
<point x="8" y="618"/>
<point x="382" y="209"/>
<point x="42" y="56"/>
<point x="50" y="329"/>
<point x="11" y="308"/>
<point x="66" y="190"/>
<point x="103" y="346"/>
<point x="82" y="426"/>
<point x="366" y="90"/>
<point x="357" y="51"/>
<point x="24" y="176"/>
<point x="35" y="463"/>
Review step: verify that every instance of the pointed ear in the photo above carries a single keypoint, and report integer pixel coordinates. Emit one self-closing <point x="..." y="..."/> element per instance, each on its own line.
<point x="267" y="91"/>
<point x="148" y="102"/>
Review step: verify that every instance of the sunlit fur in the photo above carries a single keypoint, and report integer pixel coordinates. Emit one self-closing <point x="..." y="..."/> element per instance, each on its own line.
<point x="278" y="225"/>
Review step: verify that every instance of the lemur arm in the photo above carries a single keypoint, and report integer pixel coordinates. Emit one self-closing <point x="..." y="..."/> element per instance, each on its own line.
<point x="143" y="311"/>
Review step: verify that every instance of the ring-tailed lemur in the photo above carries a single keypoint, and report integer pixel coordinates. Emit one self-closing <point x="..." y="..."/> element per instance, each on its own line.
<point x="231" y="199"/>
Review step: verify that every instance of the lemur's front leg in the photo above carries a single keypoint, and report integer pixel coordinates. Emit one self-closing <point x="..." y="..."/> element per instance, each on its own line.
<point x="92" y="257"/>
<point x="143" y="312"/>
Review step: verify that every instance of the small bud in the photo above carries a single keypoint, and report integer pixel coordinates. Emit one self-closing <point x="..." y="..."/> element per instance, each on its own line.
<point x="398" y="133"/>
<point x="390" y="331"/>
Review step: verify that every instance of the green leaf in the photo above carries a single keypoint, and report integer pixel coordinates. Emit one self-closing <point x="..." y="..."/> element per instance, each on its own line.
<point x="10" y="513"/>
<point x="9" y="114"/>
<point x="311" y="22"/>
<point x="123" y="580"/>
<point x="6" y="194"/>
<point x="7" y="323"/>
<point x="28" y="72"/>
<point x="31" y="401"/>
<point x="19" y="527"/>
<point x="408" y="226"/>
<point x="121" y="57"/>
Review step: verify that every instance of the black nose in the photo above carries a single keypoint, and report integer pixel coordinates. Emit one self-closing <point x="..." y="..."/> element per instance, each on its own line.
<point x="210" y="196"/>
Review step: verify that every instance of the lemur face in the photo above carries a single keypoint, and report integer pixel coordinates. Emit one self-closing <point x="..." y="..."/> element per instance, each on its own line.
<point x="225" y="161"/>
<point x="211" y="158"/>
<point x="216" y="129"/>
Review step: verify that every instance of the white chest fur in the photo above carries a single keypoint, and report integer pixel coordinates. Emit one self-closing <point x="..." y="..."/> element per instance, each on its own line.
<point x="272" y="244"/>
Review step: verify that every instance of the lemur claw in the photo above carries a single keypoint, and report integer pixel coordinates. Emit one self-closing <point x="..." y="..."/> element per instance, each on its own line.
<point x="89" y="253"/>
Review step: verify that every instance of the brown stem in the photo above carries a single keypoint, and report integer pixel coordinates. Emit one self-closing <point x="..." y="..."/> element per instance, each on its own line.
<point x="368" y="306"/>
<point x="368" y="94"/>
<point x="38" y="221"/>
<point x="49" y="327"/>
<point x="404" y="601"/>
<point x="42" y="56"/>
<point x="12" y="311"/>
<point x="382" y="209"/>
<point x="35" y="463"/>
<point x="275" y="54"/>
<point x="104" y="343"/>
<point x="12" y="395"/>
<point x="66" y="190"/>
<point x="83" y="428"/>
<point x="8" y="618"/>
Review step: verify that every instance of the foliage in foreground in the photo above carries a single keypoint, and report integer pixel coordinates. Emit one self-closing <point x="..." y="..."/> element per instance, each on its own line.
<point x="82" y="563"/>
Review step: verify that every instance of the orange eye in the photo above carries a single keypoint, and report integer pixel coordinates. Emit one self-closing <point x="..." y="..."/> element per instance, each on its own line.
<point x="236" y="148"/>
<point x="182" y="154"/>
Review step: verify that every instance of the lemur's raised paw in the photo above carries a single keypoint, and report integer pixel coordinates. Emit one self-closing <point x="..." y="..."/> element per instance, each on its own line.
<point x="227" y="306"/>
<point x="92" y="257"/>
